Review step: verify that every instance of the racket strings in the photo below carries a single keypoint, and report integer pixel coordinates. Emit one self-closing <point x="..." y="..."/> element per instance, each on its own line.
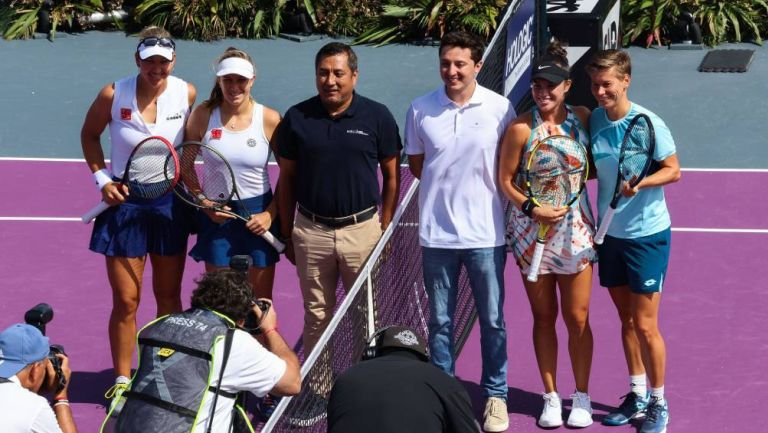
<point x="205" y="177"/>
<point x="557" y="171"/>
<point x="636" y="154"/>
<point x="152" y="170"/>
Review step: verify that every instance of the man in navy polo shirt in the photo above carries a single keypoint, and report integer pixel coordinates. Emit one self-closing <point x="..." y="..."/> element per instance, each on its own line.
<point x="330" y="146"/>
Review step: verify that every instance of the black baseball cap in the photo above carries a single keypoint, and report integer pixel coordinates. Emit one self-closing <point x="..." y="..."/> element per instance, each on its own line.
<point x="549" y="70"/>
<point x="402" y="337"/>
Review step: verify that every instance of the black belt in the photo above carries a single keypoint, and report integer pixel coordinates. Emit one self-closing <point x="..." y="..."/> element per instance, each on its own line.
<point x="339" y="222"/>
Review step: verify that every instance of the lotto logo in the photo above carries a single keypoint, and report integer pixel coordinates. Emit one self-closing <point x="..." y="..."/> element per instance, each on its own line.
<point x="215" y="134"/>
<point x="125" y="114"/>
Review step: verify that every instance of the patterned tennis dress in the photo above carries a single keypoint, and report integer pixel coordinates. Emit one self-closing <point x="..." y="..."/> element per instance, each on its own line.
<point x="569" y="248"/>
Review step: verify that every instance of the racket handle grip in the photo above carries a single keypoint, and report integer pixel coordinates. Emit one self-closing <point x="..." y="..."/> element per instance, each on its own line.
<point x="604" y="224"/>
<point x="533" y="271"/>
<point x="93" y="213"/>
<point x="269" y="237"/>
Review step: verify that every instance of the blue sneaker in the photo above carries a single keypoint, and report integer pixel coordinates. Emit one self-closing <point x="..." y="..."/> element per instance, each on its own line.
<point x="656" y="417"/>
<point x="632" y="407"/>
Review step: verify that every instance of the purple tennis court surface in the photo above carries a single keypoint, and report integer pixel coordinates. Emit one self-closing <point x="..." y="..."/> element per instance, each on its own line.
<point x="712" y="313"/>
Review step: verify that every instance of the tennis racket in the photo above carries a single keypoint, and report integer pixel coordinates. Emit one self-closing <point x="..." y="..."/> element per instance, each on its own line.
<point x="556" y="173"/>
<point x="151" y="172"/>
<point x="635" y="161"/>
<point x="208" y="182"/>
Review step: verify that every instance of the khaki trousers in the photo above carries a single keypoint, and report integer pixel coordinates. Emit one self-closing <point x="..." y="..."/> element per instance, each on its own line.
<point x="324" y="254"/>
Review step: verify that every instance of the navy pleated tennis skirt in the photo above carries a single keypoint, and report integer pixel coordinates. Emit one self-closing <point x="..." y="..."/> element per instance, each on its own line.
<point x="140" y="226"/>
<point x="217" y="243"/>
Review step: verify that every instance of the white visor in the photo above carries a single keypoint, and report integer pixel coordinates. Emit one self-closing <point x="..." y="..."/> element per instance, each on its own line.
<point x="237" y="66"/>
<point x="155" y="50"/>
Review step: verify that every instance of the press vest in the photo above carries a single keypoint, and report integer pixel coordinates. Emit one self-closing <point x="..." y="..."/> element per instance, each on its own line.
<point x="174" y="374"/>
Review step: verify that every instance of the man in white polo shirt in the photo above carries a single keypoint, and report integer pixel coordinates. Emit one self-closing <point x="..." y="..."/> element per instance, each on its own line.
<point x="452" y="137"/>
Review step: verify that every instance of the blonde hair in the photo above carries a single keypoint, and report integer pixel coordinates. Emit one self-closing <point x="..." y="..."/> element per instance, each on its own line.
<point x="606" y="59"/>
<point x="154" y="32"/>
<point x="217" y="96"/>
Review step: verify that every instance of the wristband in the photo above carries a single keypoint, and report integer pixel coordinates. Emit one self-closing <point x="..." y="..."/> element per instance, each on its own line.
<point x="102" y="178"/>
<point x="265" y="333"/>
<point x="62" y="401"/>
<point x="527" y="207"/>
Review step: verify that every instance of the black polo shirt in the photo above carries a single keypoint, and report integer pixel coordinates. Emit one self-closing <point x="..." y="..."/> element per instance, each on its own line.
<point x="337" y="158"/>
<point x="399" y="393"/>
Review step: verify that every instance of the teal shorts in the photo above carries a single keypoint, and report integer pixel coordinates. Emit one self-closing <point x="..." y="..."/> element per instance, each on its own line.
<point x="640" y="263"/>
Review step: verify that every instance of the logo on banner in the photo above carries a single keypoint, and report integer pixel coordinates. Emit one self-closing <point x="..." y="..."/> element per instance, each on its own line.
<point x="517" y="69"/>
<point x="571" y="6"/>
<point x="125" y="114"/>
<point x="215" y="134"/>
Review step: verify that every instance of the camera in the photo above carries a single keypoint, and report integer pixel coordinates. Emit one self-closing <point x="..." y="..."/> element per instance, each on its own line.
<point x="252" y="325"/>
<point x="39" y="316"/>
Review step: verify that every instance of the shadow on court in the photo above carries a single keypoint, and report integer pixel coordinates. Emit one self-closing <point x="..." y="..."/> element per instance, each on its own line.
<point x="90" y="386"/>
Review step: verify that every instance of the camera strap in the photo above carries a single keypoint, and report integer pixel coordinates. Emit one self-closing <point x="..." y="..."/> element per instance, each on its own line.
<point x="227" y="348"/>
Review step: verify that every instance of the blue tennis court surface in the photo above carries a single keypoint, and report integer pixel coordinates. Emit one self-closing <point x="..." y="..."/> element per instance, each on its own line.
<point x="713" y="310"/>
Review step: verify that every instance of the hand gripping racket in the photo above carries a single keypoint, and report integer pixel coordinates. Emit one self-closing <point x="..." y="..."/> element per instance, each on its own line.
<point x="635" y="161"/>
<point x="208" y="182"/>
<point x="556" y="172"/>
<point x="151" y="172"/>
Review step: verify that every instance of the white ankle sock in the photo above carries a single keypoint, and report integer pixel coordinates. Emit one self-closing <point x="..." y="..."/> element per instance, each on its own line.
<point x="637" y="385"/>
<point x="658" y="393"/>
<point x="122" y="379"/>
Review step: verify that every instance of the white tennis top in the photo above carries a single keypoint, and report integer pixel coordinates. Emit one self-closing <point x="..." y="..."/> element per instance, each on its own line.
<point x="460" y="204"/>
<point x="247" y="151"/>
<point x="127" y="128"/>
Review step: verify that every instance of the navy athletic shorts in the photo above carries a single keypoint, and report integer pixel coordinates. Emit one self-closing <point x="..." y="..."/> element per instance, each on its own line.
<point x="640" y="263"/>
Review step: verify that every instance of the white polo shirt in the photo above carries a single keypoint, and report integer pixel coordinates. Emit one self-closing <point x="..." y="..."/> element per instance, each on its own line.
<point x="460" y="204"/>
<point x="23" y="411"/>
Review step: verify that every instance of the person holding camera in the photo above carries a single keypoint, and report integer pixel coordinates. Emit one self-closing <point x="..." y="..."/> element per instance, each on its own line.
<point x="26" y="371"/>
<point x="195" y="366"/>
<point x="396" y="390"/>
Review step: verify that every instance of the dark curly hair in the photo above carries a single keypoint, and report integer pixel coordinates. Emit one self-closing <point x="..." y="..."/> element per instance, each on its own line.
<point x="225" y="291"/>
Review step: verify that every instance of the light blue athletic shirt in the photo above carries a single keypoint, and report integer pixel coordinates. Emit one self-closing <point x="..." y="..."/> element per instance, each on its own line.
<point x="645" y="213"/>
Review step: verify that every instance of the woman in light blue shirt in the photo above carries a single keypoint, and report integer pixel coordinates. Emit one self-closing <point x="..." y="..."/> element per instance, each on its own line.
<point x="633" y="258"/>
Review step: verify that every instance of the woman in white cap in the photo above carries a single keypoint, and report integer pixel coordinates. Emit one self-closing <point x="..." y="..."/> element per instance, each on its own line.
<point x="242" y="130"/>
<point x="569" y="252"/>
<point x="150" y="103"/>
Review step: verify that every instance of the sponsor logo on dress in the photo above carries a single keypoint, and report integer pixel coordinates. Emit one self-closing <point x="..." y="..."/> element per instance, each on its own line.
<point x="125" y="114"/>
<point x="649" y="283"/>
<point x="215" y="134"/>
<point x="357" y="132"/>
<point x="407" y="338"/>
<point x="251" y="142"/>
<point x="175" y="116"/>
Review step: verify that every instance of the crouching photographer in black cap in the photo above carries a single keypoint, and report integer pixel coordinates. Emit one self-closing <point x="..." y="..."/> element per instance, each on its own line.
<point x="25" y="371"/>
<point x="195" y="366"/>
<point x="395" y="390"/>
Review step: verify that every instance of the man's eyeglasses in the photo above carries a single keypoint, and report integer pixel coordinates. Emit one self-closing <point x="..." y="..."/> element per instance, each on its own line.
<point x="152" y="41"/>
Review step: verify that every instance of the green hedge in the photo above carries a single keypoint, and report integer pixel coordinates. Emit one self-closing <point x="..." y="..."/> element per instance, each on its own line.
<point x="378" y="21"/>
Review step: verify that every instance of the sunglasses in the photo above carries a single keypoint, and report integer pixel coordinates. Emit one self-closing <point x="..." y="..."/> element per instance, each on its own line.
<point x="152" y="41"/>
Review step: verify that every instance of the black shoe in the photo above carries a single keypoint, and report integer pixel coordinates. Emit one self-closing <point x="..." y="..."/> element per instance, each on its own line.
<point x="310" y="411"/>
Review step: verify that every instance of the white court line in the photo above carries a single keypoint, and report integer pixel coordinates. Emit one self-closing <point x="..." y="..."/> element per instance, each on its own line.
<point x="714" y="170"/>
<point x="711" y="230"/>
<point x="40" y="219"/>
<point x="674" y="229"/>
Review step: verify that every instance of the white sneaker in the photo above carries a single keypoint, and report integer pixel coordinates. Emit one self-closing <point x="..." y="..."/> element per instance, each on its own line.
<point x="581" y="410"/>
<point x="495" y="416"/>
<point x="552" y="414"/>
